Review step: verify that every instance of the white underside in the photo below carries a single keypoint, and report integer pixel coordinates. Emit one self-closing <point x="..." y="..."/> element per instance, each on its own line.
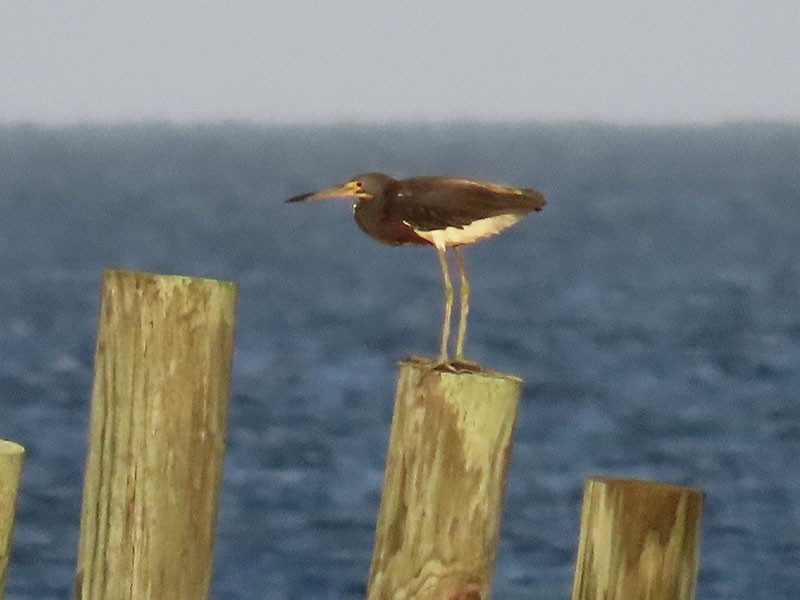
<point x="475" y="231"/>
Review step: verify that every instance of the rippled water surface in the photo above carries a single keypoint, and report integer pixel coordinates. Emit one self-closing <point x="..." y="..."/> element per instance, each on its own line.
<point x="653" y="310"/>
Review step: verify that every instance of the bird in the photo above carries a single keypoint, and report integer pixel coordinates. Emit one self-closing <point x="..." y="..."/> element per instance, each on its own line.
<point x="443" y="212"/>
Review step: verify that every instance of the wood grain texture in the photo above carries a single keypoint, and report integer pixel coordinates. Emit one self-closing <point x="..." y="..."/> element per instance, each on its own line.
<point x="156" y="438"/>
<point x="439" y="519"/>
<point x="638" y="540"/>
<point x="11" y="458"/>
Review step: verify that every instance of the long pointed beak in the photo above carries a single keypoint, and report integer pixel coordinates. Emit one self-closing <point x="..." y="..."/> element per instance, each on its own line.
<point x="348" y="190"/>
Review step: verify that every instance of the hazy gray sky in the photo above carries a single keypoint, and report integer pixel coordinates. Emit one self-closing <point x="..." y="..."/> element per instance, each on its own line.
<point x="300" y="60"/>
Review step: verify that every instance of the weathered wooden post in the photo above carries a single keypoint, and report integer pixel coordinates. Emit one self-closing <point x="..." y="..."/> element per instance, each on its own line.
<point x="449" y="450"/>
<point x="11" y="458"/>
<point x="156" y="437"/>
<point x="638" y="540"/>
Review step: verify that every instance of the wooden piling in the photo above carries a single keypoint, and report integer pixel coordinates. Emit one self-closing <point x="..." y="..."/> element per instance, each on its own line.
<point x="638" y="540"/>
<point x="449" y="450"/>
<point x="11" y="458"/>
<point x="156" y="437"/>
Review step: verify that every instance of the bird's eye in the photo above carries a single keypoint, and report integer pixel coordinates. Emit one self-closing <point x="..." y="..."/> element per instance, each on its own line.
<point x="359" y="184"/>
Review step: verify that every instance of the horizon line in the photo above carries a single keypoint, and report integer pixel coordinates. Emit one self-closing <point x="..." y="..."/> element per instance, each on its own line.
<point x="398" y="121"/>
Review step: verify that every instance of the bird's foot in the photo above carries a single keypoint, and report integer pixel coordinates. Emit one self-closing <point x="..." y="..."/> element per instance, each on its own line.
<point x="462" y="365"/>
<point x="443" y="365"/>
<point x="458" y="365"/>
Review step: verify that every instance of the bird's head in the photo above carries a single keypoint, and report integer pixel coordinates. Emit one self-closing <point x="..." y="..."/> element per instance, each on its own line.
<point x="366" y="186"/>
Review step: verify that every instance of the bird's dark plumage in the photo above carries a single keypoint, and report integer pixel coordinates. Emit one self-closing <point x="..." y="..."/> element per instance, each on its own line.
<point x="434" y="203"/>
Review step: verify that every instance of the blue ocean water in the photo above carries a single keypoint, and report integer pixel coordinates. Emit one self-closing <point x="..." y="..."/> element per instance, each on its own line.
<point x="652" y="308"/>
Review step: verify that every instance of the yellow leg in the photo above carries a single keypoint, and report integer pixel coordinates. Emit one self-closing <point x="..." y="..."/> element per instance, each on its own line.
<point x="448" y="304"/>
<point x="464" y="307"/>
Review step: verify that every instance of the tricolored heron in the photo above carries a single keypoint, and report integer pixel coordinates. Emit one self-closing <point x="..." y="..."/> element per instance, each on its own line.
<point x="440" y="211"/>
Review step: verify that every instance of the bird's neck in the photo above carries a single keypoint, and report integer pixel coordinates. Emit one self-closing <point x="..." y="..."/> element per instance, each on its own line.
<point x="367" y="214"/>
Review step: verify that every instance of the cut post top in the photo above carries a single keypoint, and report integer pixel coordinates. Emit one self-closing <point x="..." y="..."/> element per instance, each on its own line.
<point x="11" y="448"/>
<point x="644" y="485"/>
<point x="144" y="275"/>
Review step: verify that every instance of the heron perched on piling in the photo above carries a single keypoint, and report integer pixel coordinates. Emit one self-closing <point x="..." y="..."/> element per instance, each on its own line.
<point x="445" y="212"/>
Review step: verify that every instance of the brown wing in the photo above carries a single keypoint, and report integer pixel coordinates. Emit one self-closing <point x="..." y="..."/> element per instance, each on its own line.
<point x="429" y="203"/>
